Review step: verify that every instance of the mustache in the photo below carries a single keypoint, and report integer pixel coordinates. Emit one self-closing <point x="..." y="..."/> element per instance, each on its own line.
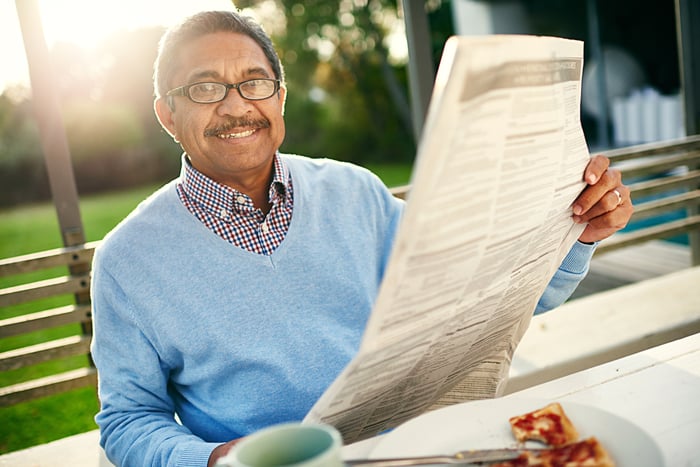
<point x="233" y="122"/>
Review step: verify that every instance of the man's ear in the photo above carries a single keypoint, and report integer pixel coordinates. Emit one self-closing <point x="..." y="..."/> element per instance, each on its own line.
<point x="165" y="116"/>
<point x="282" y="95"/>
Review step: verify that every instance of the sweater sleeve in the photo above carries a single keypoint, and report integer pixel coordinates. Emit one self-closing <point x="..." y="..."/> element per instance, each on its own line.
<point x="137" y="420"/>
<point x="571" y="272"/>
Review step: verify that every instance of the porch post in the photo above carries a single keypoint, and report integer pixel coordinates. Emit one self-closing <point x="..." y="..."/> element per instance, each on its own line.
<point x="421" y="68"/>
<point x="51" y="129"/>
<point x="688" y="31"/>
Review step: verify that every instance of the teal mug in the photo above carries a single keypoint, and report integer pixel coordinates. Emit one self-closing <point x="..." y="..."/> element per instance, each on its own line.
<point x="289" y="444"/>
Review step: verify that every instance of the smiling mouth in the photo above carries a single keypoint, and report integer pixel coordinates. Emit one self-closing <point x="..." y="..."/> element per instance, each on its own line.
<point x="235" y="128"/>
<point x="241" y="134"/>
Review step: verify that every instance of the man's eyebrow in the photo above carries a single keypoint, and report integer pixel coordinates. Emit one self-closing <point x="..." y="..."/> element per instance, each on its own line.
<point x="211" y="74"/>
<point x="204" y="74"/>
<point x="255" y="71"/>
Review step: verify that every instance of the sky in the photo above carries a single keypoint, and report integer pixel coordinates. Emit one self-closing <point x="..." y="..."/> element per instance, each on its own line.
<point x="86" y="22"/>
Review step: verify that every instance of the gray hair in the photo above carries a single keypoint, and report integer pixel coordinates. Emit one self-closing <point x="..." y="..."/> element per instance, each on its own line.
<point x="201" y="24"/>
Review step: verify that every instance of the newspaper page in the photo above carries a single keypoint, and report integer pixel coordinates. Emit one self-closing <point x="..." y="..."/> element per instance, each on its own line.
<point x="487" y="223"/>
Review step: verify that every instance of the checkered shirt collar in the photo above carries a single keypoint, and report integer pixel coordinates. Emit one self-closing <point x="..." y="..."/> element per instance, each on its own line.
<point x="214" y="196"/>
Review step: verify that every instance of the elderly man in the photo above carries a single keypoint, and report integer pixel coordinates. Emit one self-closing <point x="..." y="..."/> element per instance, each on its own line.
<point x="233" y="296"/>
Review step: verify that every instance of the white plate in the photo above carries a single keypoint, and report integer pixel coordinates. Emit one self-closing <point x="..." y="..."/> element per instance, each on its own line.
<point x="484" y="424"/>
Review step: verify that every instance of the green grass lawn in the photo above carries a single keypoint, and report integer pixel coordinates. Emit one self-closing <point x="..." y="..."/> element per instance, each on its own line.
<point x="34" y="228"/>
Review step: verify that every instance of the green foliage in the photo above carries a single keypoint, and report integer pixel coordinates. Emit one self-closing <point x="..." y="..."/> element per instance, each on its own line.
<point x="18" y="134"/>
<point x="347" y="99"/>
<point x="106" y="103"/>
<point x="392" y="174"/>
<point x="86" y="124"/>
<point x="21" y="162"/>
<point x="341" y="83"/>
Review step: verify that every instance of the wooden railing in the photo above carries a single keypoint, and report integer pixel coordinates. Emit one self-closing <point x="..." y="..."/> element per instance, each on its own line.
<point x="50" y="290"/>
<point x="668" y="171"/>
<point x="664" y="179"/>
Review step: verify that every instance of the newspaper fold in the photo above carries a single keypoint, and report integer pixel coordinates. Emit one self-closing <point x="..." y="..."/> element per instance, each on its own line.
<point x="487" y="223"/>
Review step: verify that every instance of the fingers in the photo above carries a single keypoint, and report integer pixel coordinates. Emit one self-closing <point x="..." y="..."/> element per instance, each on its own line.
<point x="609" y="200"/>
<point x="618" y="195"/>
<point x="600" y="196"/>
<point x="220" y="451"/>
<point x="605" y="204"/>
<point x="609" y="213"/>
<point x="595" y="169"/>
<point x="606" y="224"/>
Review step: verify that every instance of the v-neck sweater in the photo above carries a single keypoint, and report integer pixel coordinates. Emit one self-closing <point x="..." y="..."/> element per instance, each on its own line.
<point x="232" y="341"/>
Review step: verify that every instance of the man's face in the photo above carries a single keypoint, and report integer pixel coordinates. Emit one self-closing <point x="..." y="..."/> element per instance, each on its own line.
<point x="235" y="139"/>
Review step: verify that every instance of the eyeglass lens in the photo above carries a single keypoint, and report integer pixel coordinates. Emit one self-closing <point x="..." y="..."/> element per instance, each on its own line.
<point x="254" y="89"/>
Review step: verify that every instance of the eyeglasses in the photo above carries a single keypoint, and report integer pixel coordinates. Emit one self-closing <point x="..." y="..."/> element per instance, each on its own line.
<point x="208" y="93"/>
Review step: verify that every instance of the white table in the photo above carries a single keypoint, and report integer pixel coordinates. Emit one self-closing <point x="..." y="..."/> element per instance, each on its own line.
<point x="657" y="389"/>
<point x="81" y="450"/>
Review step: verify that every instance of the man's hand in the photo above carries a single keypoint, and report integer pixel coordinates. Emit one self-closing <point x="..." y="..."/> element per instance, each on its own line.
<point x="221" y="451"/>
<point x="605" y="204"/>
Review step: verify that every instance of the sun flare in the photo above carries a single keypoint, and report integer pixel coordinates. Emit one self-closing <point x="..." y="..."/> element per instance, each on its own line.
<point x="86" y="24"/>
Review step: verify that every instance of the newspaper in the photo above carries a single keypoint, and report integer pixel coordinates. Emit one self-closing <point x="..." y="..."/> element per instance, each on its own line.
<point x="487" y="223"/>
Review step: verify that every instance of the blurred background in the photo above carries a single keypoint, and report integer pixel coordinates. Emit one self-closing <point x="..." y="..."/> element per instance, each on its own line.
<point x="346" y="64"/>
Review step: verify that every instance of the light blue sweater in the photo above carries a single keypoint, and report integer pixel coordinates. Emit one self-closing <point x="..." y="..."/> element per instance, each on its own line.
<point x="233" y="341"/>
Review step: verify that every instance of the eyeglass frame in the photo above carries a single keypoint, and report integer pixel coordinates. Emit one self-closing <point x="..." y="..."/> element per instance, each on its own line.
<point x="185" y="90"/>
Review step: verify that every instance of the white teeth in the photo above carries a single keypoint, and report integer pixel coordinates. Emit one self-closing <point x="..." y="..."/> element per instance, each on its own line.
<point x="242" y="134"/>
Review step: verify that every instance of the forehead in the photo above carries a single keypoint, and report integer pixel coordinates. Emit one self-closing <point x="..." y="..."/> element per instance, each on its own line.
<point x="226" y="55"/>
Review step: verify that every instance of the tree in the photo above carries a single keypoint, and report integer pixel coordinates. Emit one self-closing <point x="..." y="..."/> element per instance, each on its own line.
<point x="22" y="173"/>
<point x="346" y="98"/>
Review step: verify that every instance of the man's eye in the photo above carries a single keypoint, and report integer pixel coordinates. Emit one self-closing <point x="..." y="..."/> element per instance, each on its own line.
<point x="207" y="88"/>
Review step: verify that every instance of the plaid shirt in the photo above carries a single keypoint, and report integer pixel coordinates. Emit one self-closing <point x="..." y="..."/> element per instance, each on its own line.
<point x="231" y="215"/>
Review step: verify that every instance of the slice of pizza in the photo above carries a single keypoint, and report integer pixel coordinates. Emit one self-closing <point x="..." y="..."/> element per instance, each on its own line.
<point x="523" y="460"/>
<point x="586" y="453"/>
<point x="549" y="425"/>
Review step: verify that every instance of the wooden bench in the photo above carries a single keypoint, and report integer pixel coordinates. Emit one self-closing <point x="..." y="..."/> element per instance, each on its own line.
<point x="49" y="292"/>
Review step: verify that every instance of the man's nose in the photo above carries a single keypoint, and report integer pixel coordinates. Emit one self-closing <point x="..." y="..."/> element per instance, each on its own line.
<point x="234" y="104"/>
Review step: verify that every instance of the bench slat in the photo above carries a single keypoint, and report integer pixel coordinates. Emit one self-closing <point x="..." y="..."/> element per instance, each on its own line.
<point x="659" y="185"/>
<point x="661" y="164"/>
<point x="50" y="385"/>
<point x="653" y="149"/>
<point x="667" y="204"/>
<point x="44" y="319"/>
<point x="69" y="256"/>
<point x="39" y="353"/>
<point x="43" y="289"/>
<point x="665" y="230"/>
<point x="75" y="285"/>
